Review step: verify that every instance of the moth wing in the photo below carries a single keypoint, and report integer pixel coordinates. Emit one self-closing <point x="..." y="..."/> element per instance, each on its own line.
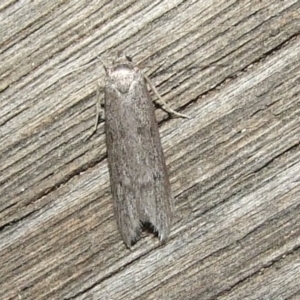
<point x="139" y="180"/>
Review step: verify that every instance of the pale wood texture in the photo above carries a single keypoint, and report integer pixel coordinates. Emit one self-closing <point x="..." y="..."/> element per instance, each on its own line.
<point x="234" y="67"/>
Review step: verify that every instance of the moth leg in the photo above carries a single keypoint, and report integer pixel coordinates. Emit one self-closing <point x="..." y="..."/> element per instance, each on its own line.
<point x="100" y="113"/>
<point x="167" y="108"/>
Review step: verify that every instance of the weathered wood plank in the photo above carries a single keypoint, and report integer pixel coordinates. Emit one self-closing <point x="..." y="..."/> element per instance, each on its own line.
<point x="234" y="67"/>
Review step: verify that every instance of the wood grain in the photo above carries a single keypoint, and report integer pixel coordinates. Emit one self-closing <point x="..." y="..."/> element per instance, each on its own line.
<point x="234" y="67"/>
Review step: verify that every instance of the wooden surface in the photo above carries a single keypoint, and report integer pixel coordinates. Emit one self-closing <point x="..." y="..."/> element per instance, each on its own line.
<point x="234" y="67"/>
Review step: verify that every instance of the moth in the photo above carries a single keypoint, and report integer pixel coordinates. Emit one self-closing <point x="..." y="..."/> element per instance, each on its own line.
<point x="138" y="175"/>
